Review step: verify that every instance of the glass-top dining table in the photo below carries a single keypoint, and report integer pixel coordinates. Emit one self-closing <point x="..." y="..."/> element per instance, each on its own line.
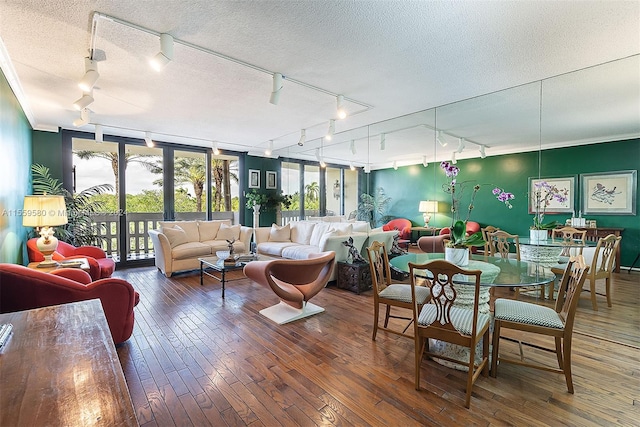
<point x="548" y="252"/>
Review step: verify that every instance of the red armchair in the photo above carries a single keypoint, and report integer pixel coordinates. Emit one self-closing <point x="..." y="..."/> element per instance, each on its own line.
<point x="100" y="267"/>
<point x="472" y="227"/>
<point x="22" y="288"/>
<point x="402" y="225"/>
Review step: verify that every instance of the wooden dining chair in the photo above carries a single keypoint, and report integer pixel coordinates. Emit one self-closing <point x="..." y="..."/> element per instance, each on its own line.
<point x="602" y="266"/>
<point x="538" y="319"/>
<point x="442" y="320"/>
<point x="573" y="240"/>
<point x="501" y="243"/>
<point x="390" y="294"/>
<point x="485" y="236"/>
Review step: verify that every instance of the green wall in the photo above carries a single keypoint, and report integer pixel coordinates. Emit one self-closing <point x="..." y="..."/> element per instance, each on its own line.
<point x="47" y="151"/>
<point x="15" y="161"/>
<point x="267" y="217"/>
<point x="408" y="185"/>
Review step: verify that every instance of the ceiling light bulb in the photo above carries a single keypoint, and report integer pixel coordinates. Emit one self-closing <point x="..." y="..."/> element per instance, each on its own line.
<point x="90" y="75"/>
<point x="165" y="55"/>
<point x="453" y="158"/>
<point x="322" y="163"/>
<point x="367" y="168"/>
<point x="216" y="150"/>
<point x="84" y="101"/>
<point x="85" y="116"/>
<point x="351" y="166"/>
<point x="395" y="165"/>
<point x="99" y="134"/>
<point x="277" y="88"/>
<point x="331" y="130"/>
<point x="148" y="140"/>
<point x="353" y="146"/>
<point x="269" y="149"/>
<point x="483" y="154"/>
<point x="383" y="140"/>
<point x="439" y="139"/>
<point x="342" y="113"/>
<point x="303" y="137"/>
<point x="424" y="161"/>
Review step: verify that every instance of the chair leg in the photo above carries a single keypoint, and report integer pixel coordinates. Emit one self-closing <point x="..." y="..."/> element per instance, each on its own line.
<point x="496" y="345"/>
<point x="594" y="303"/>
<point x="419" y="350"/>
<point x="517" y="293"/>
<point x="376" y="316"/>
<point x="559" y="353"/>
<point x="386" y="316"/>
<point x="485" y="353"/>
<point x="567" y="364"/>
<point x="608" y="290"/>
<point x="472" y="358"/>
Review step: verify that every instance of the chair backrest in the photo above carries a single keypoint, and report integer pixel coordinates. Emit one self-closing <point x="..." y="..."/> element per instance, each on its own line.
<point x="569" y="236"/>
<point x="605" y="254"/>
<point x="485" y="236"/>
<point x="403" y="226"/>
<point x="571" y="285"/>
<point x="379" y="265"/>
<point x="439" y="278"/>
<point x="500" y="242"/>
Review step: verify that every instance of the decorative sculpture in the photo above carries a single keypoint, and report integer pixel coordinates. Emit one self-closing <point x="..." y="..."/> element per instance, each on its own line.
<point x="354" y="256"/>
<point x="231" y="259"/>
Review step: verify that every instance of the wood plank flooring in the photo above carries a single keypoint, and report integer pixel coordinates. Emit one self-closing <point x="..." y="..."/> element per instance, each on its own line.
<point x="197" y="360"/>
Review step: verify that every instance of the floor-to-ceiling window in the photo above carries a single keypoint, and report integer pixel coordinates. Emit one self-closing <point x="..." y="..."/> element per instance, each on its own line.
<point x="190" y="179"/>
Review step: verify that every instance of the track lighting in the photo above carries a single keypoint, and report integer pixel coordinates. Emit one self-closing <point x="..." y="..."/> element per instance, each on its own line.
<point x="439" y="139"/>
<point x="90" y="75"/>
<point x="84" y="101"/>
<point x="342" y="113"/>
<point x="453" y="158"/>
<point x="269" y="149"/>
<point x="277" y="88"/>
<point x="424" y="161"/>
<point x="351" y="166"/>
<point x="331" y="130"/>
<point x="165" y="55"/>
<point x="84" y="118"/>
<point x="99" y="135"/>
<point x="483" y="154"/>
<point x="303" y="137"/>
<point x="216" y="150"/>
<point x="367" y="168"/>
<point x="461" y="145"/>
<point x="320" y="159"/>
<point x="383" y="140"/>
<point x="353" y="146"/>
<point x="148" y="140"/>
<point x="395" y="165"/>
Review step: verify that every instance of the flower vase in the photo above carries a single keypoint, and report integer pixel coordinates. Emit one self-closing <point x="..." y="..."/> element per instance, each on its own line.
<point x="537" y="236"/>
<point x="457" y="256"/>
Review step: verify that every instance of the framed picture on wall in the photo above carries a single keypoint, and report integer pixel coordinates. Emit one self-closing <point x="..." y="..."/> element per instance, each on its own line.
<point x="556" y="195"/>
<point x="254" y="178"/>
<point x="609" y="193"/>
<point x="271" y="180"/>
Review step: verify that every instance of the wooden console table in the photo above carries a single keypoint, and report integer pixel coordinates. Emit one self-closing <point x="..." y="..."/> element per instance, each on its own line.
<point x="60" y="367"/>
<point x="593" y="234"/>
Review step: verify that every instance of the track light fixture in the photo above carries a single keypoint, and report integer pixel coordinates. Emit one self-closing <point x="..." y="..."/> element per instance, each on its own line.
<point x="277" y="88"/>
<point x="483" y="154"/>
<point x="99" y="135"/>
<point x="148" y="140"/>
<point x="215" y="149"/>
<point x="320" y="159"/>
<point x="91" y="75"/>
<point x="303" y="137"/>
<point x="439" y="139"/>
<point x="331" y="130"/>
<point x="351" y="166"/>
<point x="453" y="158"/>
<point x="367" y="168"/>
<point x="165" y="55"/>
<point x="383" y="140"/>
<point x="461" y="145"/>
<point x="342" y="113"/>
<point x="84" y="101"/>
<point x="353" y="147"/>
<point x="395" y="165"/>
<point x="424" y="161"/>
<point x="269" y="149"/>
<point x="84" y="118"/>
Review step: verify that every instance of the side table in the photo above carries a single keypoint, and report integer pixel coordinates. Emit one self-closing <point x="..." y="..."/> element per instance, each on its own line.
<point x="353" y="277"/>
<point x="429" y="231"/>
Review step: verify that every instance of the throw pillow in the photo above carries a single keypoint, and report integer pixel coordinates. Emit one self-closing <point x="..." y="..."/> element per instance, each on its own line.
<point x="175" y="235"/>
<point x="228" y="232"/>
<point x="208" y="230"/>
<point x="343" y="228"/>
<point x="318" y="232"/>
<point x="280" y="234"/>
<point x="323" y="239"/>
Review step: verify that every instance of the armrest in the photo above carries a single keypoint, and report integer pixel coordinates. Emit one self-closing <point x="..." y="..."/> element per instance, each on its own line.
<point x="262" y="234"/>
<point x="75" y="274"/>
<point x="245" y="236"/>
<point x="162" y="251"/>
<point x="92" y="251"/>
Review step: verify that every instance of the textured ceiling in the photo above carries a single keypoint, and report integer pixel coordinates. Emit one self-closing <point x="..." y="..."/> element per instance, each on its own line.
<point x="391" y="58"/>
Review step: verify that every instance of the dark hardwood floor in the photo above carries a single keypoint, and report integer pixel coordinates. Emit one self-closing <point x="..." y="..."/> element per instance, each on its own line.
<point x="195" y="359"/>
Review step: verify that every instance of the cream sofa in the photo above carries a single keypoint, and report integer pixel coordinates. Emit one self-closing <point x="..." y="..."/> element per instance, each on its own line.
<point x="179" y="244"/>
<point x="298" y="239"/>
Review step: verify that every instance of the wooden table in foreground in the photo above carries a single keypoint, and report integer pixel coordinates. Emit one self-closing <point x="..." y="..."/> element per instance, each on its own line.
<point x="60" y="367"/>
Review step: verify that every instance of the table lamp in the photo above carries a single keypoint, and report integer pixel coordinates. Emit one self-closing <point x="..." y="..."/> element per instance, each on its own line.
<point x="427" y="207"/>
<point x="43" y="213"/>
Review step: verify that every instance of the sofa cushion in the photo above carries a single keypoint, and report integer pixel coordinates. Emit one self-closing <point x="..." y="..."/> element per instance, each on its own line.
<point x="301" y="231"/>
<point x="190" y="250"/>
<point x="208" y="230"/>
<point x="361" y="226"/>
<point x="299" y="251"/>
<point x="280" y="234"/>
<point x="189" y="227"/>
<point x="222" y="245"/>
<point x="318" y="231"/>
<point x="322" y="244"/>
<point x="228" y="232"/>
<point x="343" y="228"/>
<point x="176" y="236"/>
<point x="274" y="248"/>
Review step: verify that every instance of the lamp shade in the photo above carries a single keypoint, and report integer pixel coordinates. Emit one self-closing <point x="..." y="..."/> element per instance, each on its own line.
<point x="428" y="206"/>
<point x="44" y="211"/>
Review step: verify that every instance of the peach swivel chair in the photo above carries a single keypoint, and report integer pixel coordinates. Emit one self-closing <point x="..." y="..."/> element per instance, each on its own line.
<point x="295" y="282"/>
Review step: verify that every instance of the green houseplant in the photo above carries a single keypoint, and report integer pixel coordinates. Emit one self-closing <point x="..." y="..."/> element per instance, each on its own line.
<point x="267" y="201"/>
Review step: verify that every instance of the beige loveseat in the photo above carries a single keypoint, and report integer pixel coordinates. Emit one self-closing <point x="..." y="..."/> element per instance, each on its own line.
<point x="298" y="239"/>
<point x="179" y="244"/>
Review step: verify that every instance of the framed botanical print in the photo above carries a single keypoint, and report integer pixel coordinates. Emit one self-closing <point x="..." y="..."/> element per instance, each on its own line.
<point x="552" y="195"/>
<point x="609" y="193"/>
<point x="271" y="183"/>
<point x="254" y="178"/>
